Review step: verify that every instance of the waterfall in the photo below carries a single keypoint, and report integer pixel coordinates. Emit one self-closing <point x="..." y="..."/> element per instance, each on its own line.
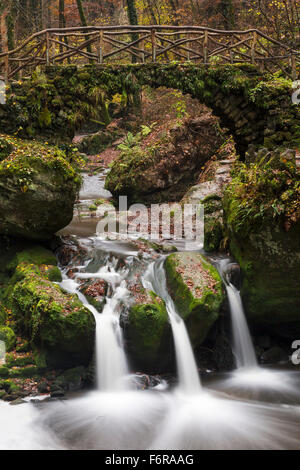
<point x="111" y="364"/>
<point x="243" y="346"/>
<point x="189" y="381"/>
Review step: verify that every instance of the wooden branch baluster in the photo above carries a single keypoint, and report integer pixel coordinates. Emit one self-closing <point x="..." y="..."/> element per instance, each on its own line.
<point x="192" y="43"/>
<point x="205" y="44"/>
<point x="100" y="47"/>
<point x="47" y="49"/>
<point x="6" y="68"/>
<point x="254" y="42"/>
<point x="153" y="41"/>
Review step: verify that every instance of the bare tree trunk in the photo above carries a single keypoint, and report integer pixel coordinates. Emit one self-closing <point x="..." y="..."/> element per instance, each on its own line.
<point x="83" y="20"/>
<point x="7" y="11"/>
<point x="133" y="20"/>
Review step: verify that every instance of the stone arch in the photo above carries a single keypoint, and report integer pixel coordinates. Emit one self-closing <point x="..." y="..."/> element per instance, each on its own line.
<point x="257" y="108"/>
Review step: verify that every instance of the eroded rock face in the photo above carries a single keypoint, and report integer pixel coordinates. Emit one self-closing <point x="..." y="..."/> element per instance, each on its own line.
<point x="196" y="288"/>
<point x="38" y="188"/>
<point x="166" y="167"/>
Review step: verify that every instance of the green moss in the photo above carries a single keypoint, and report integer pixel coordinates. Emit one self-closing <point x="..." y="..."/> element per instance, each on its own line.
<point x="270" y="261"/>
<point x="61" y="98"/>
<point x="6" y="147"/>
<point x="8" y="336"/>
<point x="2" y="314"/>
<point x="262" y="222"/>
<point x="196" y="289"/>
<point x="37" y="255"/>
<point x="264" y="190"/>
<point x="23" y="372"/>
<point x="56" y="324"/>
<point x="4" y="372"/>
<point x="18" y="361"/>
<point x="54" y="274"/>
<point x="9" y="386"/>
<point x="29" y="157"/>
<point x="44" y="118"/>
<point x="39" y="185"/>
<point x="147" y="333"/>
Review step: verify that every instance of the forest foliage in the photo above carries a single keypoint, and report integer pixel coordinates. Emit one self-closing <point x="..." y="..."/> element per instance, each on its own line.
<point x="279" y="19"/>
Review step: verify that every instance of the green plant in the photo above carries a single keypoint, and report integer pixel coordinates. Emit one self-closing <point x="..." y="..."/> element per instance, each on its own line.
<point x="265" y="190"/>
<point x="180" y="105"/>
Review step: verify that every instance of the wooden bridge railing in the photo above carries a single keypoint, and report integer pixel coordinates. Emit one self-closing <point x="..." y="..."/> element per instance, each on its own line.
<point x="127" y="44"/>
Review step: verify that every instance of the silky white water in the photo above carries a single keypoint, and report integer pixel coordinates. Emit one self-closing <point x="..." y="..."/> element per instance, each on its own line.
<point x="243" y="346"/>
<point x="111" y="364"/>
<point x="189" y="381"/>
<point x="242" y="342"/>
<point x="186" y="417"/>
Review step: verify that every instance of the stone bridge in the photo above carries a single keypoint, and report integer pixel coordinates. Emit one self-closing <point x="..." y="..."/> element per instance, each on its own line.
<point x="255" y="106"/>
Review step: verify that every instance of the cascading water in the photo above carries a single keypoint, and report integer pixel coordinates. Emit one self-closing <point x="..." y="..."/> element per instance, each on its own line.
<point x="243" y="346"/>
<point x="111" y="364"/>
<point x="189" y="381"/>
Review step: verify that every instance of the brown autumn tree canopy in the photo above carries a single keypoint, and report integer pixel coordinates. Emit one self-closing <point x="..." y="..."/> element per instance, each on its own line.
<point x="279" y="19"/>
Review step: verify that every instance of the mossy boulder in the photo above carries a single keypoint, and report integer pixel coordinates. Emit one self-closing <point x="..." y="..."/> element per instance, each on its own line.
<point x="262" y="208"/>
<point x="8" y="336"/>
<point x="55" y="323"/>
<point x="270" y="266"/>
<point x="148" y="335"/>
<point x="196" y="289"/>
<point x="164" y="168"/>
<point x="38" y="188"/>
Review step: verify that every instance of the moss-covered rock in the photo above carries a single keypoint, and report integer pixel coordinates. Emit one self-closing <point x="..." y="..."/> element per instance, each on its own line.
<point x="148" y="335"/>
<point x="56" y="323"/>
<point x="270" y="265"/>
<point x="8" y="336"/>
<point x="163" y="169"/>
<point x="196" y="288"/>
<point x="38" y="188"/>
<point x="262" y="208"/>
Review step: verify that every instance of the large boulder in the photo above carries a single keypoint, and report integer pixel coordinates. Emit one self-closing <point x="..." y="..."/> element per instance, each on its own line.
<point x="162" y="168"/>
<point x="197" y="291"/>
<point x="262" y="209"/>
<point x="148" y="335"/>
<point x="38" y="188"/>
<point x="270" y="265"/>
<point x="56" y="324"/>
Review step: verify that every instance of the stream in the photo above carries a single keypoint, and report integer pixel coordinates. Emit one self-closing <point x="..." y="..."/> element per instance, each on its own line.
<point x="252" y="407"/>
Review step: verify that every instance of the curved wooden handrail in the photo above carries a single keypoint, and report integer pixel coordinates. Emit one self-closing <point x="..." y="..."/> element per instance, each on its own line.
<point x="200" y="43"/>
<point x="64" y="31"/>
